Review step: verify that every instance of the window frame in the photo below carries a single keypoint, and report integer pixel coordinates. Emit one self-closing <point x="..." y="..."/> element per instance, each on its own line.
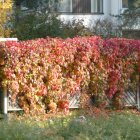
<point x="100" y="7"/>
<point x="85" y="10"/>
<point x="91" y="11"/>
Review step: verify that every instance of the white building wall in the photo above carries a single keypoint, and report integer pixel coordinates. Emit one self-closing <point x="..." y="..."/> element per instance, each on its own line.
<point x="116" y="6"/>
<point x="107" y="7"/>
<point x="87" y="19"/>
<point x="110" y="7"/>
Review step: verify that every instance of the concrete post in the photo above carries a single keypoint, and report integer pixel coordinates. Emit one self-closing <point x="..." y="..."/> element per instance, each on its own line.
<point x="4" y="92"/>
<point x="5" y="101"/>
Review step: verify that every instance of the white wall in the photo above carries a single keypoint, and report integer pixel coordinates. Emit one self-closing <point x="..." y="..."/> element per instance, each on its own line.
<point x="110" y="7"/>
<point x="107" y="7"/>
<point x="87" y="19"/>
<point x="116" y="6"/>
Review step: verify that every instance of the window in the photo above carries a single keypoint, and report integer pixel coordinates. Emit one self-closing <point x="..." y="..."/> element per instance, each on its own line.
<point x="97" y="6"/>
<point x="125" y="3"/>
<point x="80" y="6"/>
<point x="131" y="3"/>
<point x="26" y="4"/>
<point x="64" y="6"/>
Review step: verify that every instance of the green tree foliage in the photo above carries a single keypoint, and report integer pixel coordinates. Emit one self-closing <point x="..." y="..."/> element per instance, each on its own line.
<point x="35" y="25"/>
<point x="133" y="3"/>
<point x="35" y="22"/>
<point x="130" y="19"/>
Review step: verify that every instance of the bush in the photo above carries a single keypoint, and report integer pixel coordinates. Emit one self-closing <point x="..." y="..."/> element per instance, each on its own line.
<point x="106" y="28"/>
<point x="122" y="59"/>
<point x="42" y="71"/>
<point x="39" y="24"/>
<point x="75" y="28"/>
<point x="35" y="24"/>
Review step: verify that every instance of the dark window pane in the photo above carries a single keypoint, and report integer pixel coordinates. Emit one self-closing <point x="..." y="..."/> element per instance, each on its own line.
<point x="100" y="6"/>
<point x="81" y="6"/>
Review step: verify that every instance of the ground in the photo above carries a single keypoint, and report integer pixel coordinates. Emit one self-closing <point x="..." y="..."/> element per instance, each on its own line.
<point x="115" y="125"/>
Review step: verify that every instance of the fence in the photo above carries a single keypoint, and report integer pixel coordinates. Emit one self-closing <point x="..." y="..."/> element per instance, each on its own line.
<point x="6" y="103"/>
<point x="131" y="98"/>
<point x="4" y="106"/>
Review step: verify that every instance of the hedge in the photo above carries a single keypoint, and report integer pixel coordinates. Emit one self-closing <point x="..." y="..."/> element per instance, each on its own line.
<point x="39" y="72"/>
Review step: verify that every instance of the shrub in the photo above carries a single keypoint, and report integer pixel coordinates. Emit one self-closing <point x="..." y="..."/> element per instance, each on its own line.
<point x="122" y="58"/>
<point x="43" y="70"/>
<point x="106" y="28"/>
<point x="74" y="28"/>
<point x="39" y="24"/>
<point x="35" y="24"/>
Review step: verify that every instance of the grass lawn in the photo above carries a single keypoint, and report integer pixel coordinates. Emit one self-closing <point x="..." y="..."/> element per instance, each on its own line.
<point x="118" y="126"/>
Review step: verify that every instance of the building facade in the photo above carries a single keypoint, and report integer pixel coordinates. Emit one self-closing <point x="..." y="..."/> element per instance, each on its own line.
<point x="91" y="10"/>
<point x="87" y="10"/>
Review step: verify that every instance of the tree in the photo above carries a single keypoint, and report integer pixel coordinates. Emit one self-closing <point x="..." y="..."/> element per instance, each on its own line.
<point x="35" y="21"/>
<point x="36" y="4"/>
<point x="5" y="10"/>
<point x="133" y="4"/>
<point x="130" y="20"/>
<point x="40" y="20"/>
